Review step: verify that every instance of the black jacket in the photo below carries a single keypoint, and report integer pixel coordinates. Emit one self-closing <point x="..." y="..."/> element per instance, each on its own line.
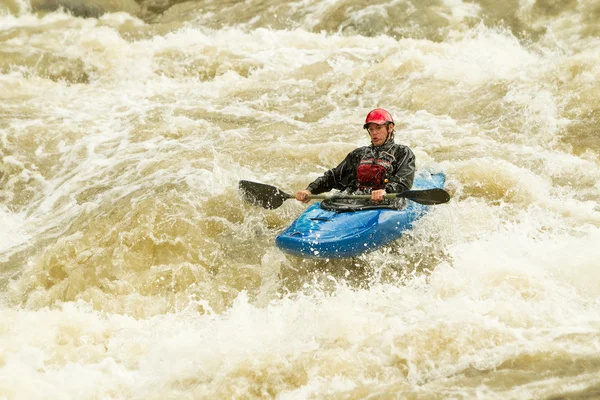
<point x="400" y="174"/>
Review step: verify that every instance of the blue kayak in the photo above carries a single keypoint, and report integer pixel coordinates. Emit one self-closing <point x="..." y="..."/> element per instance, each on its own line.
<point x="320" y="233"/>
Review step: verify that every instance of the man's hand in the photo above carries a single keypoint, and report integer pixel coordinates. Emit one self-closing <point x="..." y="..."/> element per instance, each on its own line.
<point x="376" y="195"/>
<point x="302" y="195"/>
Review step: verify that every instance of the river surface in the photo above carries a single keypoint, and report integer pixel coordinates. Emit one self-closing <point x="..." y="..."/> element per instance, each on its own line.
<point x="131" y="268"/>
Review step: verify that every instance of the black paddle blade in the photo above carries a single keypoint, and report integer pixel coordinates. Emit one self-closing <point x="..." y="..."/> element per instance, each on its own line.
<point x="259" y="194"/>
<point x="428" y="197"/>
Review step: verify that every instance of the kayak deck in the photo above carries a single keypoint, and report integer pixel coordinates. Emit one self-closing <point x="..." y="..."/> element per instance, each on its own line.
<point x="319" y="233"/>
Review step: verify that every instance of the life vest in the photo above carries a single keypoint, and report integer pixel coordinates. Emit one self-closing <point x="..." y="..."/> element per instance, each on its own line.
<point x="371" y="173"/>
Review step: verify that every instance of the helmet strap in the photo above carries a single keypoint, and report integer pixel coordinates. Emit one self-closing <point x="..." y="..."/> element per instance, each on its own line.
<point x="390" y="135"/>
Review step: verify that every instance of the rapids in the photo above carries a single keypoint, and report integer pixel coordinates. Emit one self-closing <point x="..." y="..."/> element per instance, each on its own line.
<point x="130" y="267"/>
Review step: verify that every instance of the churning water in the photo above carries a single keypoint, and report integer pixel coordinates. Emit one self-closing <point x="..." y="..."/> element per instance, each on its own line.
<point x="131" y="268"/>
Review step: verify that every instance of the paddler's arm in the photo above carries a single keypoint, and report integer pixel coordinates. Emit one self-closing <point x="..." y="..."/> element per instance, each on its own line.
<point x="335" y="178"/>
<point x="404" y="174"/>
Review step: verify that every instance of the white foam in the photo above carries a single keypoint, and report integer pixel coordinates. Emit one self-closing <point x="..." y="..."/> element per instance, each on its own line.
<point x="13" y="230"/>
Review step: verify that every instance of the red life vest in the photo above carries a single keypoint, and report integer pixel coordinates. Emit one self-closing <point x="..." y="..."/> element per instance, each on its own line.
<point x="371" y="173"/>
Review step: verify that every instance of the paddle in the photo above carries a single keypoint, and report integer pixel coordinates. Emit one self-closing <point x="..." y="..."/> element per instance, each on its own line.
<point x="270" y="197"/>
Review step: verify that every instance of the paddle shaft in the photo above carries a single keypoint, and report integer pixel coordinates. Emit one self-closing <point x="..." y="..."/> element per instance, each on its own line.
<point x="423" y="196"/>
<point x="389" y="196"/>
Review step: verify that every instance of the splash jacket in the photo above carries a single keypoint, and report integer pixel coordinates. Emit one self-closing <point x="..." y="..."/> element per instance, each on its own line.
<point x="390" y="166"/>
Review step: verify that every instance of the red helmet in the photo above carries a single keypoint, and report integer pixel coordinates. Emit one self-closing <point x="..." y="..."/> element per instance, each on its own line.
<point x="378" y="116"/>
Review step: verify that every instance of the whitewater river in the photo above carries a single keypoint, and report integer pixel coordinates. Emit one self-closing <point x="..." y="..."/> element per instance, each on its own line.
<point x="130" y="267"/>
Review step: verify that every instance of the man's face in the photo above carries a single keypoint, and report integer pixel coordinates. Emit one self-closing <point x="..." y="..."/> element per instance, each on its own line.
<point x="379" y="133"/>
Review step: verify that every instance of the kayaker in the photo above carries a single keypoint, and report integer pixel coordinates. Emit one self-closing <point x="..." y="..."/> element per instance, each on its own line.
<point x="380" y="168"/>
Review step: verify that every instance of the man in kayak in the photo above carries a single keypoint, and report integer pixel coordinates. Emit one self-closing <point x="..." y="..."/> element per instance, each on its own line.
<point x="380" y="168"/>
